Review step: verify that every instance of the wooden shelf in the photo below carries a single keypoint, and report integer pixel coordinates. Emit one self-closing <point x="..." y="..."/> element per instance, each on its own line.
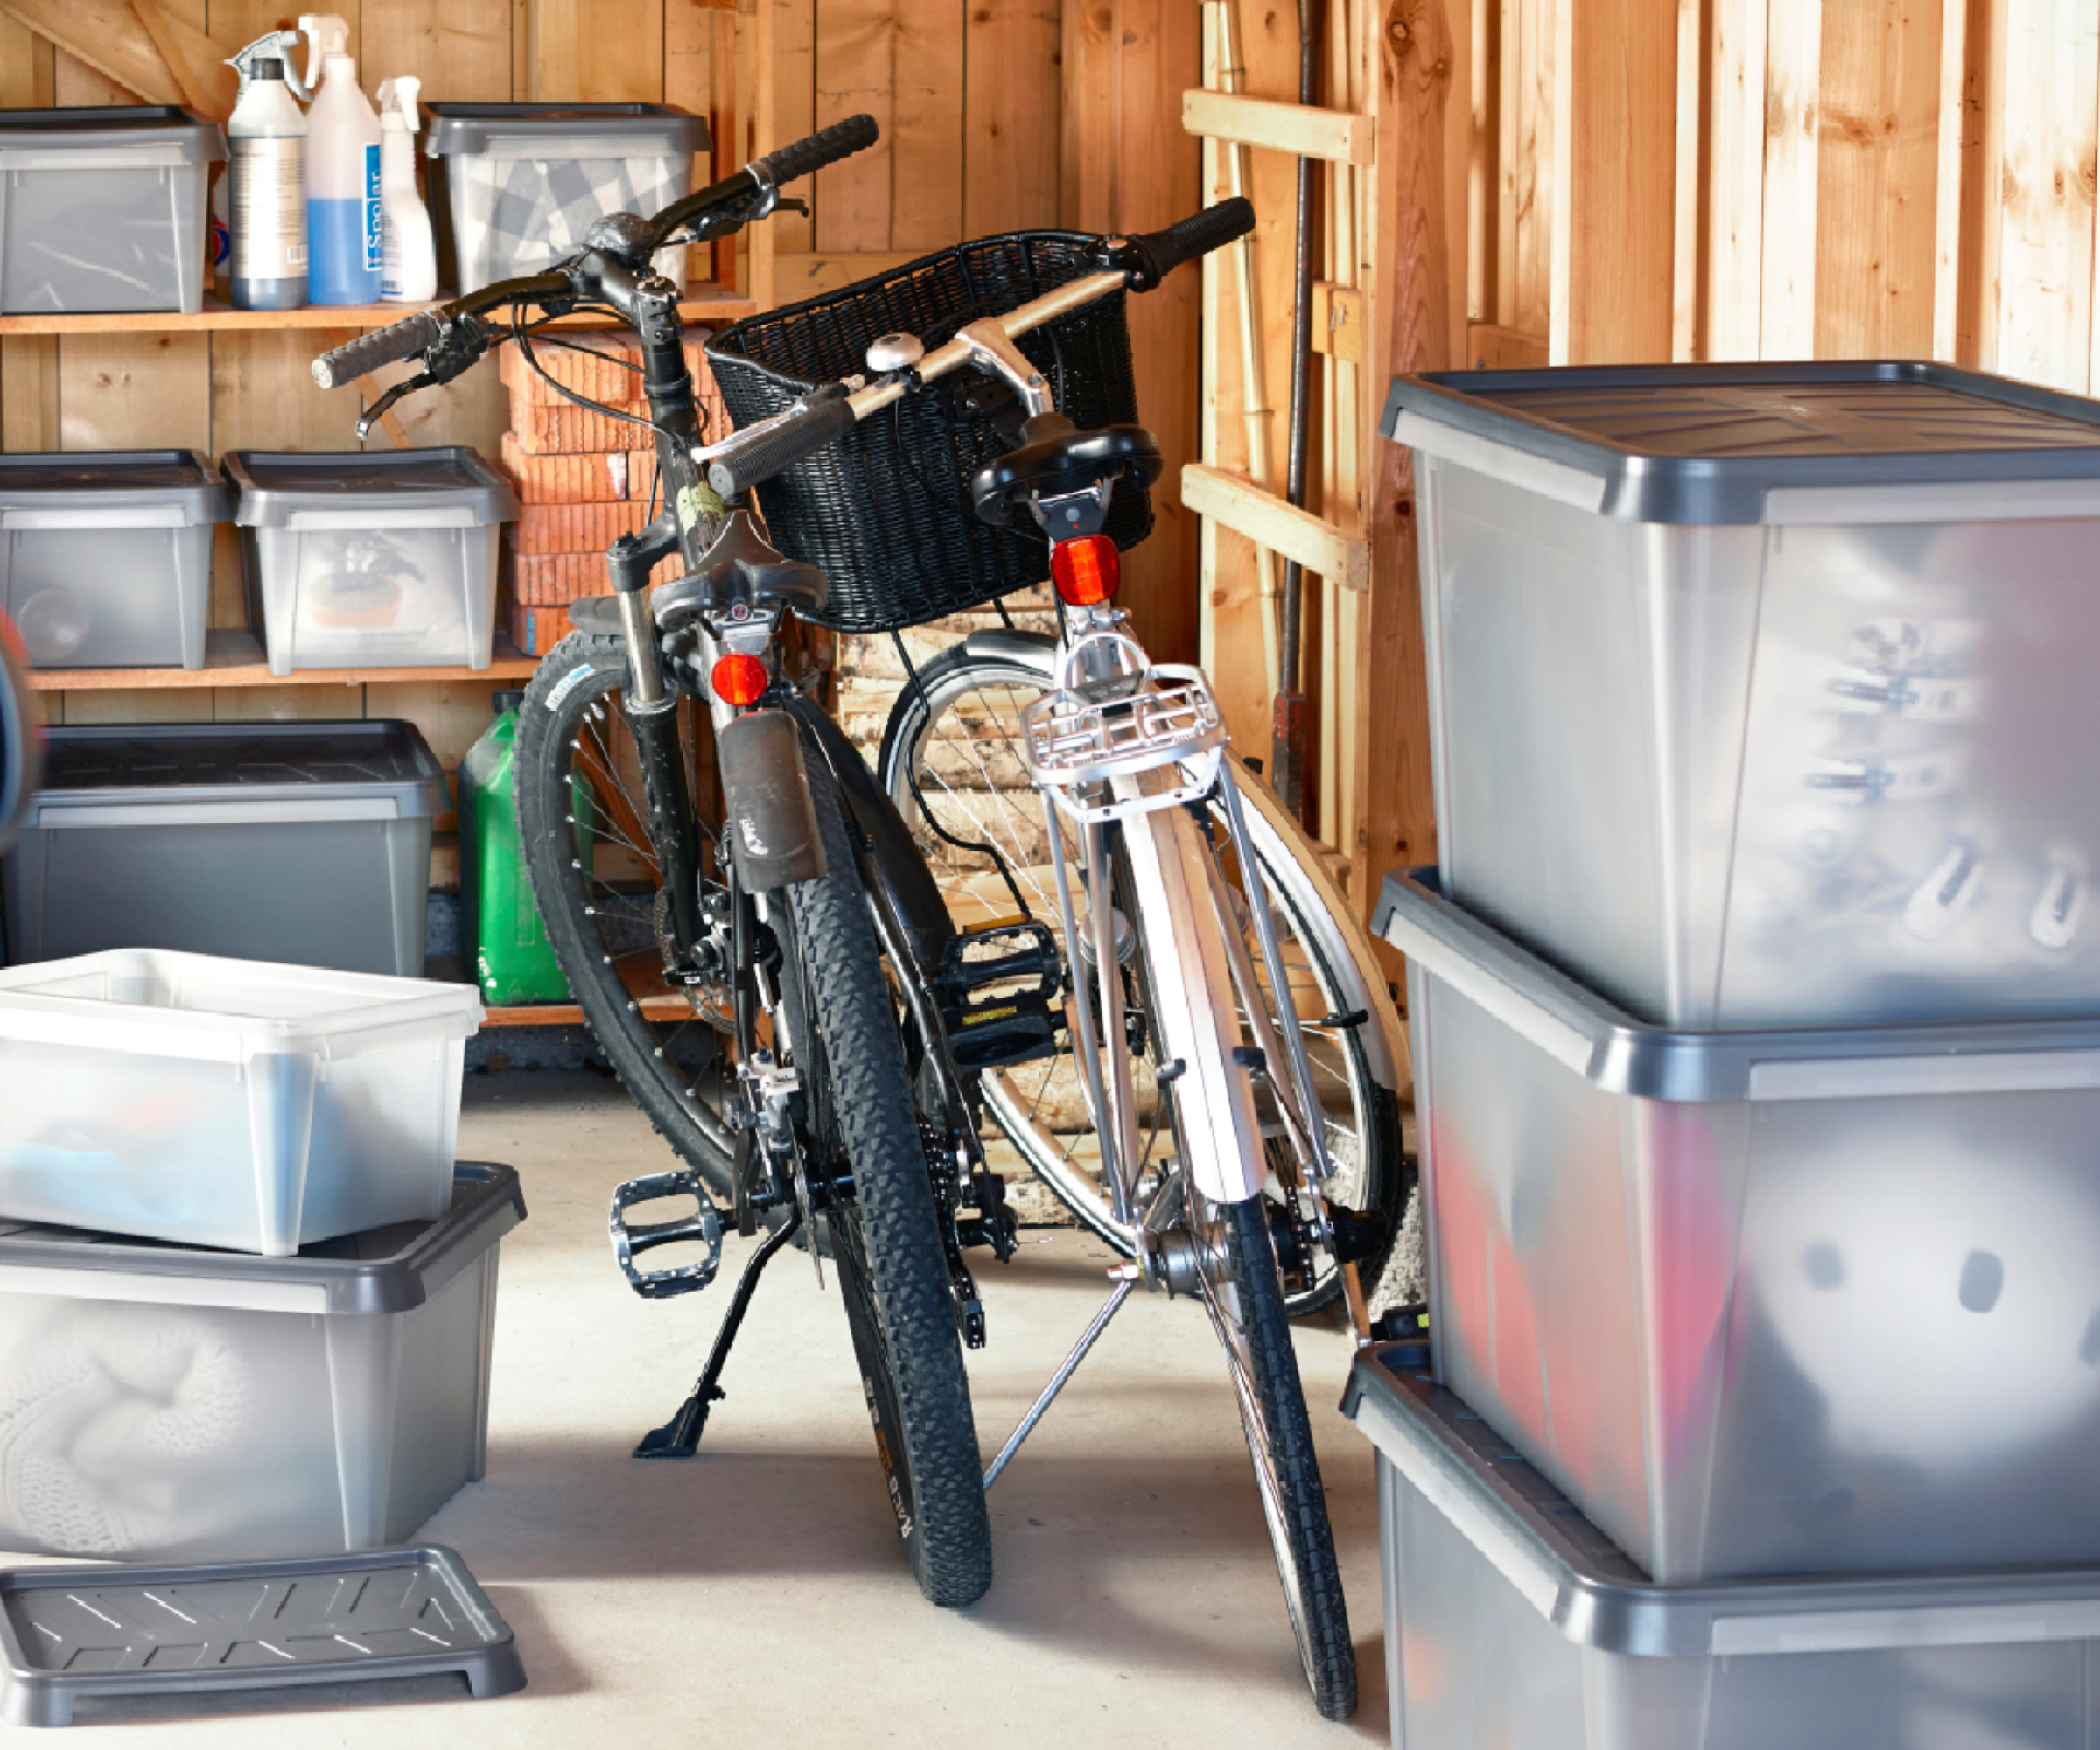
<point x="235" y="659"/>
<point x="667" y="1006"/>
<point x="705" y="303"/>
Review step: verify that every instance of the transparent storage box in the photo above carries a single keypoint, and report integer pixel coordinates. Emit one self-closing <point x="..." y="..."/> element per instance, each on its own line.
<point x="1761" y="694"/>
<point x="104" y="208"/>
<point x="226" y="1102"/>
<point x="515" y="186"/>
<point x="305" y="841"/>
<point x="1511" y="1623"/>
<point x="1762" y="1303"/>
<point x="106" y="558"/>
<point x="379" y="560"/>
<point x="176" y="1405"/>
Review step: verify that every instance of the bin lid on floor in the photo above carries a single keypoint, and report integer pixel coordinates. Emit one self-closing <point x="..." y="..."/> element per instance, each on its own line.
<point x="269" y="489"/>
<point x="112" y="479"/>
<point x="521" y="130"/>
<point x="1595" y="1595"/>
<point x="373" y="1615"/>
<point x="160" y="132"/>
<point x="382" y="1270"/>
<point x="371" y="764"/>
<point x="1761" y="442"/>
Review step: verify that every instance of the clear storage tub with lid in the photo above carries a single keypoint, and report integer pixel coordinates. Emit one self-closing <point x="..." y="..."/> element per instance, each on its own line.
<point x="226" y="1102"/>
<point x="522" y="183"/>
<point x="1512" y="1622"/>
<point x="1762" y="1303"/>
<point x="1759" y="695"/>
<point x="182" y="1405"/>
<point x="106" y="558"/>
<point x="379" y="559"/>
<point x="305" y="841"/>
<point x="104" y="208"/>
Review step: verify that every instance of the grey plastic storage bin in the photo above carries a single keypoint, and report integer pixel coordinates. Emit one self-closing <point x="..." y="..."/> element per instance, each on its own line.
<point x="385" y="559"/>
<point x="211" y="1406"/>
<point x="104" y="208"/>
<point x="1760" y="694"/>
<point x="106" y="558"/>
<point x="1762" y="1303"/>
<point x="1511" y="1623"/>
<point x="522" y="183"/>
<point x="305" y="842"/>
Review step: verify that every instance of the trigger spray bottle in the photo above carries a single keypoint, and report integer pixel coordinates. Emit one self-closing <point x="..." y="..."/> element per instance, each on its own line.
<point x="409" y="271"/>
<point x="342" y="172"/>
<point x="267" y="200"/>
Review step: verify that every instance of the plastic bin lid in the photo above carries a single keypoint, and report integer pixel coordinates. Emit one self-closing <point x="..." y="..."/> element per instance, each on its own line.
<point x="268" y="487"/>
<point x="1595" y="1595"/>
<point x="382" y="1270"/>
<point x="1707" y="444"/>
<point x="1620" y="1054"/>
<point x="658" y="129"/>
<point x="99" y="128"/>
<point x="101" y="763"/>
<point x="95" y="479"/>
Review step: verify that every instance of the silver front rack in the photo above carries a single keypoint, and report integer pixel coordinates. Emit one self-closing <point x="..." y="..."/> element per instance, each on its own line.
<point x="1167" y="718"/>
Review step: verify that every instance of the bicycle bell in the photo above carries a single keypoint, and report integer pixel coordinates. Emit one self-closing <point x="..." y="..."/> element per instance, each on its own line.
<point x="888" y="353"/>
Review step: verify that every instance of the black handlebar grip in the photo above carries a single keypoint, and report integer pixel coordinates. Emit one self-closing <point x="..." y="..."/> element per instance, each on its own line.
<point x="820" y="424"/>
<point x="1200" y="234"/>
<point x="367" y="352"/>
<point x="829" y="146"/>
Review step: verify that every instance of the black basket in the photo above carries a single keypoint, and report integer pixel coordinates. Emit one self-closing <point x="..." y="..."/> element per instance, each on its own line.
<point x="886" y="512"/>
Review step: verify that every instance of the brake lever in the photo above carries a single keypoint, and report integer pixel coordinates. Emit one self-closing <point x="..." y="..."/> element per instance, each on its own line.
<point x="408" y="386"/>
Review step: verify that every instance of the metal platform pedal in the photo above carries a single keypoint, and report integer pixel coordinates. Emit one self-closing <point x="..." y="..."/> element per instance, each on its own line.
<point x="631" y="1239"/>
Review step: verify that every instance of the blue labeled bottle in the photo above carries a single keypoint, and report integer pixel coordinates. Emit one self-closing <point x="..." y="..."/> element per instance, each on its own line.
<point x="344" y="238"/>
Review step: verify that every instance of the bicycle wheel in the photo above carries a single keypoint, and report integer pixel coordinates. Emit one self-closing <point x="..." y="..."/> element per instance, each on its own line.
<point x="951" y="761"/>
<point x="1244" y="1297"/>
<point x="884" y="1229"/>
<point x="581" y="810"/>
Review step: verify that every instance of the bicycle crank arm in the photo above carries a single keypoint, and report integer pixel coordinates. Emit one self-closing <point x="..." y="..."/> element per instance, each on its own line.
<point x="632" y="1239"/>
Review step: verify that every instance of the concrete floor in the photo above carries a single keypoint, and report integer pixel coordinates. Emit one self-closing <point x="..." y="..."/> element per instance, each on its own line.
<point x="757" y="1595"/>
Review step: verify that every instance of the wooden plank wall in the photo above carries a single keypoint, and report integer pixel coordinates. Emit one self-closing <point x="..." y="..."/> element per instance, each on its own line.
<point x="997" y="115"/>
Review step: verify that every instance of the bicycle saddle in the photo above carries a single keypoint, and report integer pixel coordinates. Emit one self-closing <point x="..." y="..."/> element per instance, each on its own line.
<point x="1058" y="457"/>
<point x="741" y="566"/>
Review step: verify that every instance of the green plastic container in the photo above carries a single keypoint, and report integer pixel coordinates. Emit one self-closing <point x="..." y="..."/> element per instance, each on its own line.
<point x="513" y="962"/>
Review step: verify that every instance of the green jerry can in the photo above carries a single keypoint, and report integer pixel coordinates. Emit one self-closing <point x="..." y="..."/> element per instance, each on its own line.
<point x="513" y="962"/>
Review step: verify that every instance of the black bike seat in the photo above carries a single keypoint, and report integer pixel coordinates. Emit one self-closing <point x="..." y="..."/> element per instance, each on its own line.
<point x="1061" y="461"/>
<point x="741" y="566"/>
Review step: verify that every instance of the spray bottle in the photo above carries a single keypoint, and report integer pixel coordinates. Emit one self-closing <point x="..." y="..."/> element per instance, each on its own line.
<point x="409" y="272"/>
<point x="342" y="172"/>
<point x="267" y="202"/>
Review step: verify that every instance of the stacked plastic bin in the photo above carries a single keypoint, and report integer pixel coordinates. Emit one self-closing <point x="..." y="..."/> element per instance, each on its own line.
<point x="584" y="478"/>
<point x="246" y="1298"/>
<point x="1756" y="1016"/>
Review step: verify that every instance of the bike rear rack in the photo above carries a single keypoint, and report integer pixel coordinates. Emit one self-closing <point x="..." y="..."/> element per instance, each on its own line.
<point x="1164" y="715"/>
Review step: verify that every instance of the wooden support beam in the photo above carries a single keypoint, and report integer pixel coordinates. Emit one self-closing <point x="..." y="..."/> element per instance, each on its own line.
<point x="1331" y="133"/>
<point x="1240" y="505"/>
<point x="1491" y="348"/>
<point x="113" y="39"/>
<point x="1338" y="321"/>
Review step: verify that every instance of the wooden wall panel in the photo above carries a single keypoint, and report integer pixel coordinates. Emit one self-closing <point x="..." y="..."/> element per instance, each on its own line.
<point x="2045" y="274"/>
<point x="1015" y="94"/>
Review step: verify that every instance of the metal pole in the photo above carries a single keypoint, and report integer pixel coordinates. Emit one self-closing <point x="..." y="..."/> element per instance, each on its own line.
<point x="1057" y="1380"/>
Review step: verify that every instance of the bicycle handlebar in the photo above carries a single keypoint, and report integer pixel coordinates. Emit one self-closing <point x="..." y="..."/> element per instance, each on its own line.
<point x="1198" y="235"/>
<point x="401" y="340"/>
<point x="826" y="146"/>
<point x="815" y="423"/>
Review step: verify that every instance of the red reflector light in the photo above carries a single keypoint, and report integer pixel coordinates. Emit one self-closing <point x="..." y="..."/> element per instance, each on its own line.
<point x="1087" y="571"/>
<point x="740" y="679"/>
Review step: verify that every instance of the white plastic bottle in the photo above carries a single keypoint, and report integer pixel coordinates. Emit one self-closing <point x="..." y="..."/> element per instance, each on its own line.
<point x="408" y="272"/>
<point x="343" y="231"/>
<point x="266" y="202"/>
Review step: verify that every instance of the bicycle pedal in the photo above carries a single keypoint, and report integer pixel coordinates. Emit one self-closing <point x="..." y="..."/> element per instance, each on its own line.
<point x="1005" y="1030"/>
<point x="990" y="1022"/>
<point x="1013" y="952"/>
<point x="631" y="1239"/>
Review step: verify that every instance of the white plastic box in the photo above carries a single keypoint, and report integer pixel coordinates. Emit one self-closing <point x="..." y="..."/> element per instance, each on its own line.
<point x="226" y="1102"/>
<point x="1511" y="1623"/>
<point x="381" y="559"/>
<point x="1762" y="1303"/>
<point x="104" y="208"/>
<point x="1761" y="694"/>
<point x="166" y="1404"/>
<point x="106" y="558"/>
<point x="515" y="187"/>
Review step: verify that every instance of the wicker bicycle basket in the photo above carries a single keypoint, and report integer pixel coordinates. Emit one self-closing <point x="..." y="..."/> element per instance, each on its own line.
<point x="886" y="512"/>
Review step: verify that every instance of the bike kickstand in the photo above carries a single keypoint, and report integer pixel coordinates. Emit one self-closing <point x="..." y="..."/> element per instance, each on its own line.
<point x="1126" y="1278"/>
<point x="680" y="1437"/>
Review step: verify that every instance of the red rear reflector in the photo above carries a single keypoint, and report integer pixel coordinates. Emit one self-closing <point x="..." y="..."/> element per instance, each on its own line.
<point x="1087" y="571"/>
<point x="740" y="679"/>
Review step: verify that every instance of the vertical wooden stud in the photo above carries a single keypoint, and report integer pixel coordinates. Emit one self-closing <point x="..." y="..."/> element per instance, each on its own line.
<point x="1736" y="221"/>
<point x="2046" y="260"/>
<point x="1793" y="108"/>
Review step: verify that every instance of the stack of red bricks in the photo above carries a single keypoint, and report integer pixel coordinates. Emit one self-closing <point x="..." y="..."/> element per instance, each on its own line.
<point x="583" y="478"/>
